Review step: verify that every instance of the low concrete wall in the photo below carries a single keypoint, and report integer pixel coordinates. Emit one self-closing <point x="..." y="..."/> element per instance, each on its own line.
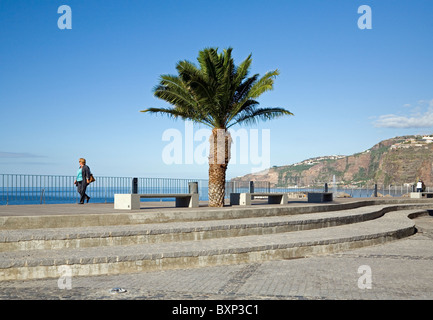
<point x="187" y="214"/>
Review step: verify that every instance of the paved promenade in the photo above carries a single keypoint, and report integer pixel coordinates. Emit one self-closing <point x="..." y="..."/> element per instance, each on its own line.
<point x="399" y="269"/>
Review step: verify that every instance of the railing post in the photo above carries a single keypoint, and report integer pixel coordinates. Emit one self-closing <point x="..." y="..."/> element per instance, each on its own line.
<point x="7" y="190"/>
<point x="375" y="190"/>
<point x="192" y="187"/>
<point x="134" y="185"/>
<point x="232" y="187"/>
<point x="43" y="195"/>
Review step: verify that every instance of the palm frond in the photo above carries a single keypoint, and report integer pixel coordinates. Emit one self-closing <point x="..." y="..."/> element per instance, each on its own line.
<point x="252" y="116"/>
<point x="177" y="113"/>
<point x="242" y="70"/>
<point x="264" y="84"/>
<point x="216" y="92"/>
<point x="173" y="90"/>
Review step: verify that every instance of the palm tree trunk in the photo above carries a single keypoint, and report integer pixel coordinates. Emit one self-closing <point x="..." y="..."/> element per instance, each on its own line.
<point x="219" y="157"/>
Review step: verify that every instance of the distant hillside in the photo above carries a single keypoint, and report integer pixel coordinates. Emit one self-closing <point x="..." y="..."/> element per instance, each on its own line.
<point x="394" y="161"/>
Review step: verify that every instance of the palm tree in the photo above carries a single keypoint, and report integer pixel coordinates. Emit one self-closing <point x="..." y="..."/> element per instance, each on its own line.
<point x="220" y="95"/>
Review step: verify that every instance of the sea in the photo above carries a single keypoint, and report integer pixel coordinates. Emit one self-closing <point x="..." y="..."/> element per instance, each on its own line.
<point x="32" y="196"/>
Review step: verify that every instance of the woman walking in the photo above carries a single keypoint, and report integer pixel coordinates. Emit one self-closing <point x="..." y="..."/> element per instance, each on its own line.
<point x="83" y="179"/>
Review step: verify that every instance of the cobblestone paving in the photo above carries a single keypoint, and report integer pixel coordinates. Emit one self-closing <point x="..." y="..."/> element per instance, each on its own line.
<point x="399" y="270"/>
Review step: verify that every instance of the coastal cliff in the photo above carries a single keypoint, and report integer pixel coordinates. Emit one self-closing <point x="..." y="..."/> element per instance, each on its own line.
<point x="396" y="161"/>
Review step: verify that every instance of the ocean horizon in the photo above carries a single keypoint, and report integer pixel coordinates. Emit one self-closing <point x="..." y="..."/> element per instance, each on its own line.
<point x="67" y="195"/>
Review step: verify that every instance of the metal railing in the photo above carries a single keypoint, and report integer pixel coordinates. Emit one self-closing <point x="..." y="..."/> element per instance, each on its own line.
<point x="23" y="189"/>
<point x="363" y="191"/>
<point x="46" y="189"/>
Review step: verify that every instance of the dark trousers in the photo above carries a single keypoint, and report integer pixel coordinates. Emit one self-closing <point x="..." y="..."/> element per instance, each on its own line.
<point x="81" y="188"/>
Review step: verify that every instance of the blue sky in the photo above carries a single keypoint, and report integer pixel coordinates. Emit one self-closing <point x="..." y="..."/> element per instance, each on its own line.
<point x="66" y="94"/>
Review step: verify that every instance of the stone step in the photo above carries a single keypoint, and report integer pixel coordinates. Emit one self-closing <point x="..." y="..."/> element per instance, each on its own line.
<point x="95" y="236"/>
<point x="66" y="216"/>
<point x="34" y="264"/>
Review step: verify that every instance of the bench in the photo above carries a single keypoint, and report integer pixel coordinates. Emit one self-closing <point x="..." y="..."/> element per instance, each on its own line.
<point x="132" y="201"/>
<point x="244" y="199"/>
<point x="317" y="197"/>
<point x="419" y="195"/>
